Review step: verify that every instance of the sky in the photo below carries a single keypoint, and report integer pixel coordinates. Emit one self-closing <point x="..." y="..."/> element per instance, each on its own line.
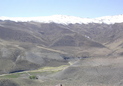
<point x="79" y="8"/>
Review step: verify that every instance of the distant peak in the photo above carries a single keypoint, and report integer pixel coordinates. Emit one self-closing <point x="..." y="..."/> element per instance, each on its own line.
<point x="65" y="19"/>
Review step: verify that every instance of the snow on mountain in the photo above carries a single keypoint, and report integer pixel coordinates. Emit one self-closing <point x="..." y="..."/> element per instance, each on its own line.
<point x="63" y="19"/>
<point x="111" y="19"/>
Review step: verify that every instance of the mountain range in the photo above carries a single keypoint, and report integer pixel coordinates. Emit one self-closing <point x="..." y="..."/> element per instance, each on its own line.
<point x="92" y="49"/>
<point x="64" y="19"/>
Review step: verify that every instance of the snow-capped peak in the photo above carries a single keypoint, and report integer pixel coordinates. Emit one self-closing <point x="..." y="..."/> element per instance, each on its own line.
<point x="64" y="19"/>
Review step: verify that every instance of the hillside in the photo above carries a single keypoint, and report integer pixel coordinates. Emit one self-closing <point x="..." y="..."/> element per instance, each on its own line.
<point x="61" y="50"/>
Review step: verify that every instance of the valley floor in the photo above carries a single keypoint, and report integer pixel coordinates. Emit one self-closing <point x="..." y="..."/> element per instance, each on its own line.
<point x="83" y="72"/>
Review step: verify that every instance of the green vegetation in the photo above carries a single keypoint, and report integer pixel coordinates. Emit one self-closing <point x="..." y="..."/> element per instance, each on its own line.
<point x="29" y="78"/>
<point x="33" y="77"/>
<point x="13" y="75"/>
<point x="33" y="73"/>
<point x="53" y="69"/>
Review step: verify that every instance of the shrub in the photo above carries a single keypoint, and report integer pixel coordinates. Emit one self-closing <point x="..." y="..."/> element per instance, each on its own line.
<point x="33" y="77"/>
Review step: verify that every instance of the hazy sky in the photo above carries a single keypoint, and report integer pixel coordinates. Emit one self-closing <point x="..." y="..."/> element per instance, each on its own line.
<point x="80" y="8"/>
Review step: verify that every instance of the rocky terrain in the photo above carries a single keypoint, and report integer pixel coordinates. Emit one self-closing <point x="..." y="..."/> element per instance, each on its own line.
<point x="74" y="54"/>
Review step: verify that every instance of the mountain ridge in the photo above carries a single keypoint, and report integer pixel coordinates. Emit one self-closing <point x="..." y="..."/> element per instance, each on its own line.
<point x="64" y="19"/>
